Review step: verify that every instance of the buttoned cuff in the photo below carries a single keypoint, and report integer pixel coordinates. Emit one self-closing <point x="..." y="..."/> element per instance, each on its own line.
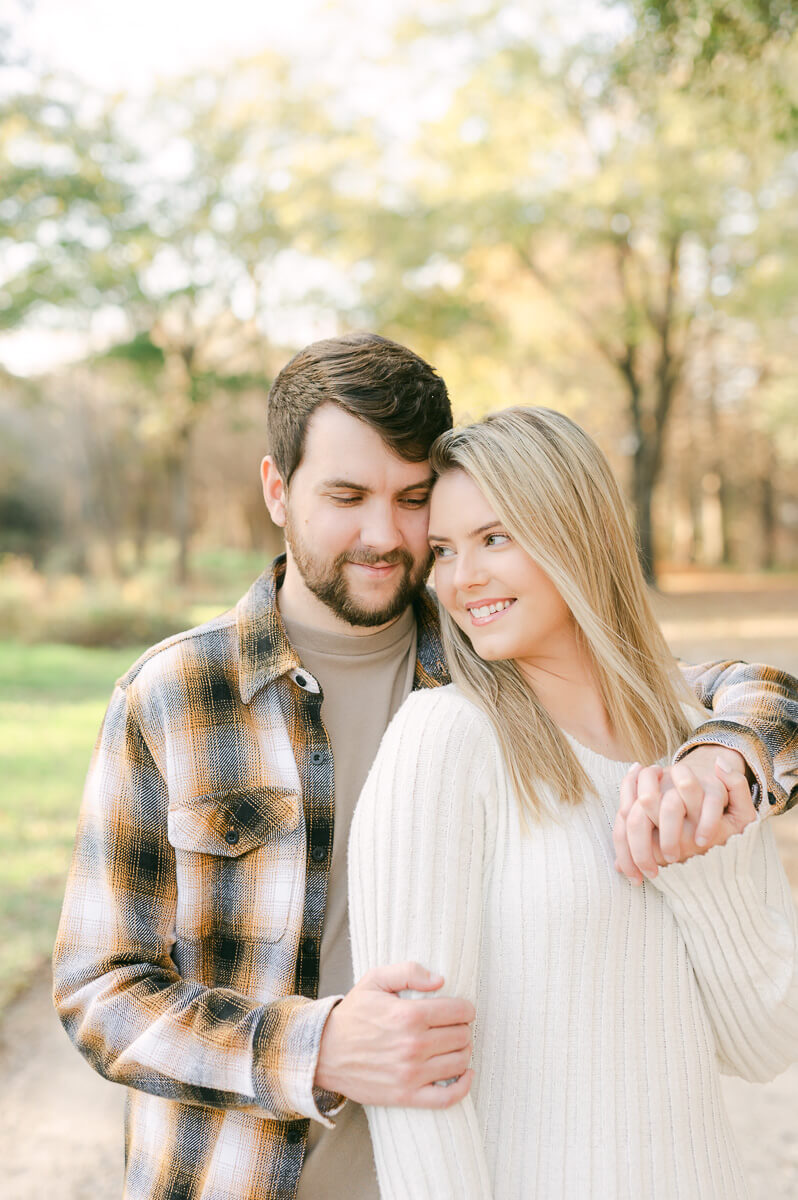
<point x="744" y="740"/>
<point x="285" y="1057"/>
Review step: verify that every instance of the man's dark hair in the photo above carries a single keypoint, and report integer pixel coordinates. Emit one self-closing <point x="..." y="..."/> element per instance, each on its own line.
<point x="380" y="382"/>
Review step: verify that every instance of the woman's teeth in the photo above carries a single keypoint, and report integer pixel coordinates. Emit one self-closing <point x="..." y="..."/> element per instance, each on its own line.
<point x="488" y="609"/>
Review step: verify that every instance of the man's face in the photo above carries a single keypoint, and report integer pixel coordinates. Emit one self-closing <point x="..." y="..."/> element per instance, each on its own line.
<point x="356" y="518"/>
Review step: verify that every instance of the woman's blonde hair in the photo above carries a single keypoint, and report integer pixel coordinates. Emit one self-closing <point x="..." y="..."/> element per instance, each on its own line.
<point x="553" y="490"/>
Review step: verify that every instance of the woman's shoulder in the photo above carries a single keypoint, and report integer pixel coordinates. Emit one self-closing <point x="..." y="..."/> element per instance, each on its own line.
<point x="439" y="748"/>
<point x="442" y="723"/>
<point x="430" y="706"/>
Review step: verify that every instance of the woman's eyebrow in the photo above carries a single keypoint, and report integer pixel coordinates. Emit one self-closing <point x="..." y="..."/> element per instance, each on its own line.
<point x="434" y="537"/>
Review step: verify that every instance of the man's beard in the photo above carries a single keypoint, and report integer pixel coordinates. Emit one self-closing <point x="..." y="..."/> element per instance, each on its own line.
<point x="326" y="579"/>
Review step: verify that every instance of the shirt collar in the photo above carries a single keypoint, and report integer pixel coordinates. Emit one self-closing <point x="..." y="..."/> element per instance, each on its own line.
<point x="265" y="653"/>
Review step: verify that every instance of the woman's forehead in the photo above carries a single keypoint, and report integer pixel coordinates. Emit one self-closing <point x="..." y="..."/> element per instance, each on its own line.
<point x="457" y="500"/>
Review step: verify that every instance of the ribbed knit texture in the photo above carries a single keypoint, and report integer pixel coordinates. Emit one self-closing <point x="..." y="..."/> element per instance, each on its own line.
<point x="604" y="1011"/>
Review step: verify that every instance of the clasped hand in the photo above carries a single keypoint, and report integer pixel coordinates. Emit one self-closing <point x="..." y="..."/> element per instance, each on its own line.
<point x="667" y="815"/>
<point x="381" y="1048"/>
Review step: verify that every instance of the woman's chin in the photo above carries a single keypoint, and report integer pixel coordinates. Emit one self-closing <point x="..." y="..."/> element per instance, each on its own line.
<point x="489" y="651"/>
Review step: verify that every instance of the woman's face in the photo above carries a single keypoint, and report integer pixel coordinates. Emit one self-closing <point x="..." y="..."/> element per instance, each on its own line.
<point x="502" y="600"/>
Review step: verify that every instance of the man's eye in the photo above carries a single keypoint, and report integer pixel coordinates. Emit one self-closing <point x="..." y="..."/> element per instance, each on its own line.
<point x="345" y="499"/>
<point x="415" y="501"/>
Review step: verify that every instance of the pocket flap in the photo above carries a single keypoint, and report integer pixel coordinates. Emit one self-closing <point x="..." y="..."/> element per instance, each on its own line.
<point x="232" y="823"/>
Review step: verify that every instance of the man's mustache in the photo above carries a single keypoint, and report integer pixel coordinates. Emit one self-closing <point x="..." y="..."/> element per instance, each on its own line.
<point x="368" y="558"/>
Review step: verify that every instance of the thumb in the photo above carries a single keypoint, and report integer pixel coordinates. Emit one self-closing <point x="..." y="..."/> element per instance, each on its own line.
<point x="741" y="808"/>
<point x="399" y="977"/>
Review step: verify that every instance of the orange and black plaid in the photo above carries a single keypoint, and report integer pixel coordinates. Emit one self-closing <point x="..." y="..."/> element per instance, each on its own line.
<point x="186" y="965"/>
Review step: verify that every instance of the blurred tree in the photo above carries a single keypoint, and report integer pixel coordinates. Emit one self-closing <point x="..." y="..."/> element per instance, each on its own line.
<point x="622" y="186"/>
<point x="243" y="178"/>
<point x="66" y="210"/>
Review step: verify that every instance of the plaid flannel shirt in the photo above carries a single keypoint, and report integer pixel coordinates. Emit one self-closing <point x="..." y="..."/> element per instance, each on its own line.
<point x="186" y="965"/>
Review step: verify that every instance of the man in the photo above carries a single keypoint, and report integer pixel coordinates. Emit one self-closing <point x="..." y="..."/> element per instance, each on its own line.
<point x="203" y="957"/>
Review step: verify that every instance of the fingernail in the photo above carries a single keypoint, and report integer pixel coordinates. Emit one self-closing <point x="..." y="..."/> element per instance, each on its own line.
<point x="651" y="874"/>
<point x="701" y="840"/>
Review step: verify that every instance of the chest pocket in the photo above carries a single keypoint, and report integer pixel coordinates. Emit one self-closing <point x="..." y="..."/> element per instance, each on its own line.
<point x="238" y="863"/>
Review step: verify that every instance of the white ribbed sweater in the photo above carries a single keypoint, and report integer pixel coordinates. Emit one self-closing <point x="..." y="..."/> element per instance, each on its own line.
<point x="604" y="1011"/>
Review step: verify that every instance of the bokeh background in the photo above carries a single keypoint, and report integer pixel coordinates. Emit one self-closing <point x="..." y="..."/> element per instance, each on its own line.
<point x="591" y="205"/>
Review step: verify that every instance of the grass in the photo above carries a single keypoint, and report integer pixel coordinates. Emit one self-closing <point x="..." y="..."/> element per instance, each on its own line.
<point x="52" y="699"/>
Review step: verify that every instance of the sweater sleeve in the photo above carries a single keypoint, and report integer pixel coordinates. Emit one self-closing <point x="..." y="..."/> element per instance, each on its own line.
<point x="735" y="911"/>
<point x="417" y="853"/>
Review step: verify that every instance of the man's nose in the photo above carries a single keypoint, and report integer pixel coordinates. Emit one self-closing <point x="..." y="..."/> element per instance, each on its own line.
<point x="380" y="531"/>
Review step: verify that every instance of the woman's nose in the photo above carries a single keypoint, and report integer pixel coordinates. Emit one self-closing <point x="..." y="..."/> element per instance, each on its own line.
<point x="469" y="572"/>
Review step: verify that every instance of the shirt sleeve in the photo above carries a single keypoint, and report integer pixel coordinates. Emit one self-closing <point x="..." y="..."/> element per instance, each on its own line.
<point x="417" y="853"/>
<point x="117" y="989"/>
<point x="735" y="911"/>
<point x="754" y="710"/>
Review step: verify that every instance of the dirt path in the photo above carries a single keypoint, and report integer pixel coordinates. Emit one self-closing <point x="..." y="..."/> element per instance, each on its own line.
<point x="61" y="1125"/>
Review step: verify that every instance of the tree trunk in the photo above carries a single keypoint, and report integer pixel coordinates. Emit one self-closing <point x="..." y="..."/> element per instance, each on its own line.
<point x="767" y="514"/>
<point x="642" y="490"/>
<point x="720" y="492"/>
<point x="181" y="492"/>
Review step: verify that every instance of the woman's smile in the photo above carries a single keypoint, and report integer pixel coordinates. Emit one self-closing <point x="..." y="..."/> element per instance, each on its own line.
<point x="484" y="611"/>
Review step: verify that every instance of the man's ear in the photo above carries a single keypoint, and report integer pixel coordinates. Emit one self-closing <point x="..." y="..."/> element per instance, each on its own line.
<point x="275" y="492"/>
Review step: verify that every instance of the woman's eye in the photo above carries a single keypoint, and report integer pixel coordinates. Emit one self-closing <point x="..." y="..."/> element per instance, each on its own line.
<point x="441" y="551"/>
<point x="497" y="539"/>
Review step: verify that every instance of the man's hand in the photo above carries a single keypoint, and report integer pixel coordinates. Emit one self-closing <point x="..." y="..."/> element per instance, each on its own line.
<point x="380" y="1049"/>
<point x="669" y="815"/>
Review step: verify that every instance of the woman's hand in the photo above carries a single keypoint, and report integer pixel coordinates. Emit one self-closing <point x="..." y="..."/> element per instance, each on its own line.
<point x="667" y="815"/>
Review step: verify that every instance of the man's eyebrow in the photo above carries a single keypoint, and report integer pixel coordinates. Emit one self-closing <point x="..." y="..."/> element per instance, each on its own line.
<point x="345" y="483"/>
<point x="434" y="537"/>
<point x="351" y="486"/>
<point x="416" y="487"/>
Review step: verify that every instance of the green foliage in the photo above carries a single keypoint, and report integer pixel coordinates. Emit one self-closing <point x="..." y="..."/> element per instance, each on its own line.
<point x="35" y="608"/>
<point x="587" y="221"/>
<point x="51" y="703"/>
<point x="140" y="352"/>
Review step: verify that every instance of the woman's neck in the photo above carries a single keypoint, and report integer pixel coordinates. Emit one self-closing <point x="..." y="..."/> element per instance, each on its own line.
<point x="565" y="684"/>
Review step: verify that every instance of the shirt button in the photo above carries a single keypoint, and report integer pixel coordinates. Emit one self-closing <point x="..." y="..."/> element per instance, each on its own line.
<point x="318" y="852"/>
<point x="231" y="837"/>
<point x="317" y="757"/>
<point x="301" y="680"/>
<point x="293" y="1137"/>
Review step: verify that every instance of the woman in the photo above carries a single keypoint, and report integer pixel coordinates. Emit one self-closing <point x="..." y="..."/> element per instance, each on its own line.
<point x="482" y="848"/>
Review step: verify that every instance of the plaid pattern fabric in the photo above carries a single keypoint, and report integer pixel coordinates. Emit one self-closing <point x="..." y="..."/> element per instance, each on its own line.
<point x="186" y="965"/>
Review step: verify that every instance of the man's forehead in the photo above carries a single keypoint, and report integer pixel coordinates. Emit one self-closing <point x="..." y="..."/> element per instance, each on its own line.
<point x="341" y="450"/>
